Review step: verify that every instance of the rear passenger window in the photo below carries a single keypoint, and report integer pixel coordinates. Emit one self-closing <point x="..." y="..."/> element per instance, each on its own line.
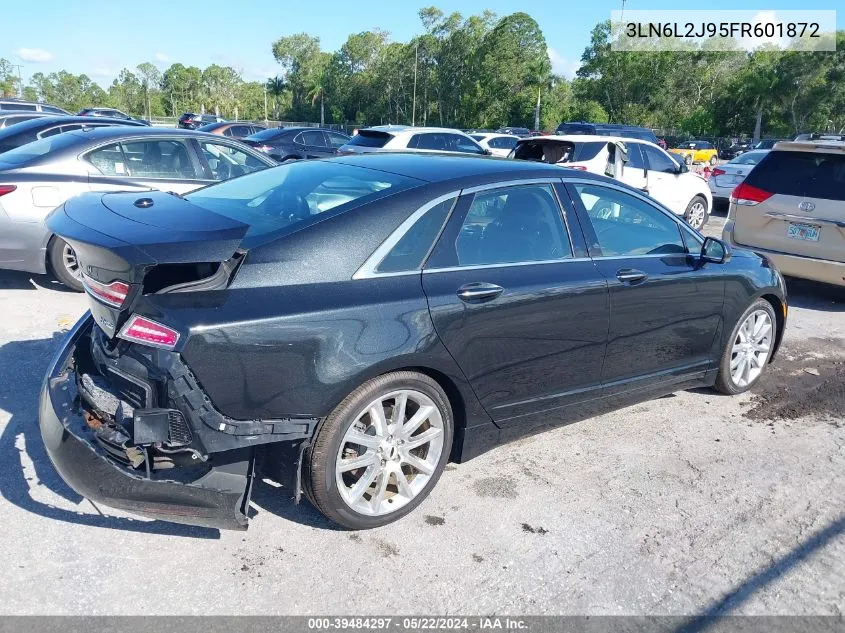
<point x="512" y="225"/>
<point x="805" y="174"/>
<point x="145" y="159"/>
<point x="635" y="156"/>
<point x="410" y="251"/>
<point x="627" y="226"/>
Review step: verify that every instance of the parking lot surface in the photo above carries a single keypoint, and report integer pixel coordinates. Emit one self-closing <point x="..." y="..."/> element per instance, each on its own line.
<point x="692" y="504"/>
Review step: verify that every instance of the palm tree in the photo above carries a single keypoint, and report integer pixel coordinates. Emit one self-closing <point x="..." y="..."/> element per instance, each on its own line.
<point x="276" y="88"/>
<point x="317" y="90"/>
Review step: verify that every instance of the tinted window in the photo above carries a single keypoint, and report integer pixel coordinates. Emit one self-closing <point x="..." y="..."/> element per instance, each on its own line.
<point x="274" y="199"/>
<point x="806" y="174"/>
<point x="514" y="224"/>
<point x="52" y="109"/>
<point x="238" y="131"/>
<point x="460" y="143"/>
<point x="145" y="159"/>
<point x="436" y="142"/>
<point x="23" y="107"/>
<point x="313" y="137"/>
<point x="626" y="225"/>
<point x="50" y="132"/>
<point x="749" y="158"/>
<point x="336" y="139"/>
<point x="635" y="156"/>
<point x="503" y="142"/>
<point x="658" y="161"/>
<point x="370" y="138"/>
<point x="228" y="162"/>
<point x="575" y="128"/>
<point x="410" y="251"/>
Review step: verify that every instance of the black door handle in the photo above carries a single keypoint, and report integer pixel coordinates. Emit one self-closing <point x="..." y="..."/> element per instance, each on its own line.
<point x="630" y="275"/>
<point x="479" y="291"/>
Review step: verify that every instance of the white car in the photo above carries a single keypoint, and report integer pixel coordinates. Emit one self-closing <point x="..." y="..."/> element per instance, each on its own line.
<point x="498" y="144"/>
<point x="414" y="139"/>
<point x="640" y="164"/>
<point x="725" y="178"/>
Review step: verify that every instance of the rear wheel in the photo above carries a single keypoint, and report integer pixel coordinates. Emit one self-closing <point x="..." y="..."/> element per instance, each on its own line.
<point x="697" y="214"/>
<point x="748" y="350"/>
<point x="381" y="451"/>
<point x="64" y="263"/>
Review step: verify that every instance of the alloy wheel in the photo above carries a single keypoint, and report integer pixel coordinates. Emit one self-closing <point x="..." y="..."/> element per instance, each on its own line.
<point x="697" y="215"/>
<point x="70" y="262"/>
<point x="390" y="452"/>
<point x="751" y="348"/>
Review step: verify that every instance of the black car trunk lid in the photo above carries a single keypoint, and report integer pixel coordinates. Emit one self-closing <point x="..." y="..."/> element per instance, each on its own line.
<point x="124" y="237"/>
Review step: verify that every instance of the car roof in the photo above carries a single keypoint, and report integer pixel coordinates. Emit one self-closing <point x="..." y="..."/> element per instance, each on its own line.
<point x="826" y="146"/>
<point x="434" y="168"/>
<point x="587" y="138"/>
<point x="39" y="122"/>
<point x="408" y="129"/>
<point x="492" y="134"/>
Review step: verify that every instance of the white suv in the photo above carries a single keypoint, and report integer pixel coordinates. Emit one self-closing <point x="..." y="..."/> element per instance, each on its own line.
<point x="414" y="139"/>
<point x="641" y="164"/>
<point x="791" y="208"/>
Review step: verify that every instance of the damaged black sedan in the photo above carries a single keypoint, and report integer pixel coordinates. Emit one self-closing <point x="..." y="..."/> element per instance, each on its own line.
<point x="347" y="326"/>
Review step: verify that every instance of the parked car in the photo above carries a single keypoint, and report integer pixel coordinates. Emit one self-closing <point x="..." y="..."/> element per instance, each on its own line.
<point x="191" y="121"/>
<point x="232" y="129"/>
<point x="22" y="105"/>
<point x="724" y="179"/>
<point x="729" y="153"/>
<point x="498" y="144"/>
<point x="640" y="164"/>
<point x="791" y="208"/>
<point x="207" y="347"/>
<point x="415" y="139"/>
<point x="515" y="131"/>
<point x="816" y="136"/>
<point x="295" y="143"/>
<point x="8" y="118"/>
<point x="697" y="152"/>
<point x="111" y="113"/>
<point x="607" y="129"/>
<point x="39" y="176"/>
<point x="43" y="127"/>
<point x="768" y="143"/>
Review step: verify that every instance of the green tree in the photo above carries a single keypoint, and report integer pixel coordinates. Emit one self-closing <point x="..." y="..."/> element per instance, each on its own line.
<point x="150" y="77"/>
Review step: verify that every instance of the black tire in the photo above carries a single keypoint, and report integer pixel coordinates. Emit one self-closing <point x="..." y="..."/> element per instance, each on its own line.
<point x="713" y="161"/>
<point x="688" y="214"/>
<point x="55" y="256"/>
<point x="724" y="382"/>
<point x="319" y="465"/>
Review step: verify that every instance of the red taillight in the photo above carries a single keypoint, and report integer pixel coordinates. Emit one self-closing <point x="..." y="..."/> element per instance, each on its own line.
<point x="113" y="294"/>
<point x="748" y="196"/>
<point x="718" y="172"/>
<point x="142" y="330"/>
<point x="4" y="189"/>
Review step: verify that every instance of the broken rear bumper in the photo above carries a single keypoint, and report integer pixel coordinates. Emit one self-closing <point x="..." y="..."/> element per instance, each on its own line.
<point x="218" y="497"/>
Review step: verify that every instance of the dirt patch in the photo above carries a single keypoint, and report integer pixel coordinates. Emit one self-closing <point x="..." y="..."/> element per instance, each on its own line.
<point x="478" y="558"/>
<point x="433" y="520"/>
<point x="385" y="548"/>
<point x="803" y="382"/>
<point x="534" y="530"/>
<point x="355" y="538"/>
<point x="495" y="487"/>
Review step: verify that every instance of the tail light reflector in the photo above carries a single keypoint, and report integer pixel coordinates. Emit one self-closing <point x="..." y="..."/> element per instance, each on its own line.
<point x="143" y="330"/>
<point x="748" y="196"/>
<point x="4" y="189"/>
<point x="718" y="172"/>
<point x="113" y="294"/>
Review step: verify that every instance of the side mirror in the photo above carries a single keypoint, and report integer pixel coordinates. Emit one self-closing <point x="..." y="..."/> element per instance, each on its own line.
<point x="682" y="168"/>
<point x="715" y="251"/>
<point x="488" y="152"/>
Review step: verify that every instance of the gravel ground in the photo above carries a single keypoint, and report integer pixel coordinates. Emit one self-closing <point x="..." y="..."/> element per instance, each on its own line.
<point x="691" y="504"/>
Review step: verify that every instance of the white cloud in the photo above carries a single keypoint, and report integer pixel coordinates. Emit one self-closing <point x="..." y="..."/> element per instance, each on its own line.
<point x="262" y="73"/>
<point x="561" y="66"/>
<point x="36" y="55"/>
<point x="161" y="57"/>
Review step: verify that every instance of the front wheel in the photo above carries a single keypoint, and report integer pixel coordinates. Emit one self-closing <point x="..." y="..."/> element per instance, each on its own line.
<point x="748" y="350"/>
<point x="696" y="214"/>
<point x="381" y="451"/>
<point x="65" y="265"/>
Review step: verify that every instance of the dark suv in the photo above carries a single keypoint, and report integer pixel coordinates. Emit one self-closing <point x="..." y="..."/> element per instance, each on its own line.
<point x="191" y="121"/>
<point x="607" y="129"/>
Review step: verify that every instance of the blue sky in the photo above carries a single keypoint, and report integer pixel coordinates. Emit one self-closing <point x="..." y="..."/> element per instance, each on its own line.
<point x="88" y="36"/>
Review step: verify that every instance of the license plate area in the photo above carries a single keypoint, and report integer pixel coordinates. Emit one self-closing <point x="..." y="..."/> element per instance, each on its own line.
<point x="801" y="231"/>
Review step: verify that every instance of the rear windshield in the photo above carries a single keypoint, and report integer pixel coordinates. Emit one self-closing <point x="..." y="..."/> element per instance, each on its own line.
<point x="554" y="152"/>
<point x="208" y="127"/>
<point x="30" y="152"/>
<point x="265" y="135"/>
<point x="575" y="128"/>
<point x="749" y="158"/>
<point x="810" y="174"/>
<point x="370" y="138"/>
<point x="289" y="195"/>
<point x="642" y="135"/>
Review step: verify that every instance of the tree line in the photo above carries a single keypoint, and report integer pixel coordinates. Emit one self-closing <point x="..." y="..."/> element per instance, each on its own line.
<point x="485" y="71"/>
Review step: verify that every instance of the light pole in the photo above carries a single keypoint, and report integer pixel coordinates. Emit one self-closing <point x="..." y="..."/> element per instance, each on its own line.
<point x="265" y="103"/>
<point x="414" y="102"/>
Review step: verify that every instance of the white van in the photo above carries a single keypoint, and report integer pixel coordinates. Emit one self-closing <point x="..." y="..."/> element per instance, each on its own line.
<point x="640" y="164"/>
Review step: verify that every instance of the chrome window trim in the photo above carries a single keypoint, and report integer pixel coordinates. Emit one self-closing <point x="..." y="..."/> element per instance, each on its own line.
<point x="452" y="269"/>
<point x="510" y="183"/>
<point x="647" y="199"/>
<point x="367" y="270"/>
